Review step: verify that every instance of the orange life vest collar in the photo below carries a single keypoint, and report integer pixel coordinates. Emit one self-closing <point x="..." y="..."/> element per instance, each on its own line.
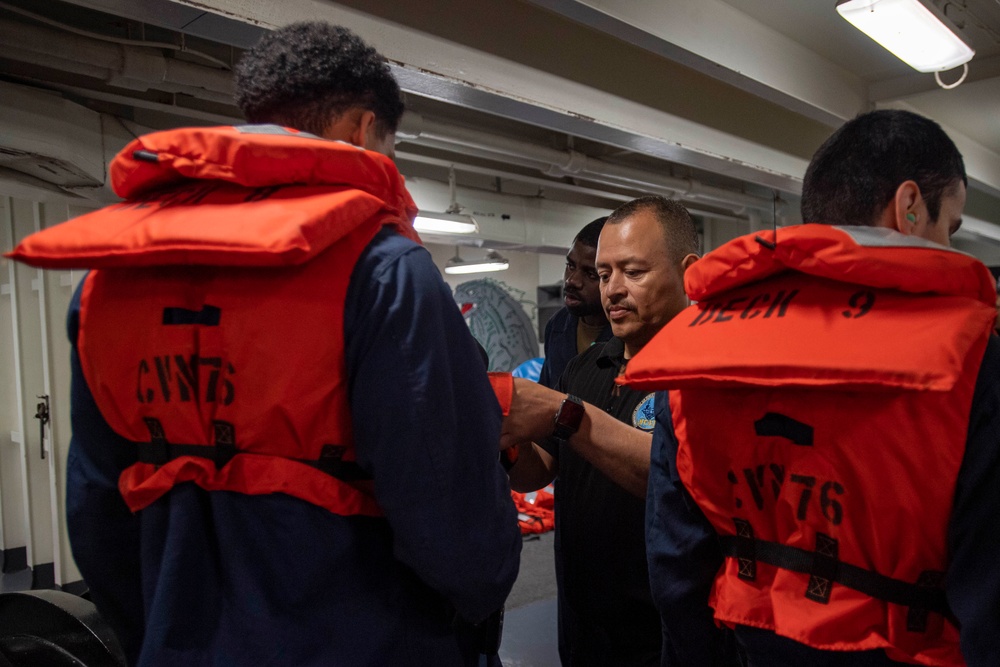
<point x="825" y="274"/>
<point x="264" y="196"/>
<point x="871" y="256"/>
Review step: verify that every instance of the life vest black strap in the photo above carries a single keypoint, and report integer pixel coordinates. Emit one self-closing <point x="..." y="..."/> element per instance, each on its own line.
<point x="159" y="451"/>
<point x="824" y="568"/>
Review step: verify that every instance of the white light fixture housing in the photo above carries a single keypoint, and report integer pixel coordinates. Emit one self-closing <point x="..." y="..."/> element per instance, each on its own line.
<point x="452" y="221"/>
<point x="919" y="36"/>
<point x="492" y="262"/>
<point x="445" y="223"/>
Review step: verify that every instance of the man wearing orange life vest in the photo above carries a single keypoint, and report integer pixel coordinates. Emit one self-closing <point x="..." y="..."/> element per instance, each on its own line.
<point x="824" y="471"/>
<point x="284" y="441"/>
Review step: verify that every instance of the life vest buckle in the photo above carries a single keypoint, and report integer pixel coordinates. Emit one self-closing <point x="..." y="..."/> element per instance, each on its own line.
<point x="158" y="450"/>
<point x="330" y="459"/>
<point x="225" y="443"/>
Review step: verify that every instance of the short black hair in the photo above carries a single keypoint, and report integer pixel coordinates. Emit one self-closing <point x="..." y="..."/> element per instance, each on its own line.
<point x="590" y="234"/>
<point x="679" y="229"/>
<point x="306" y="74"/>
<point x="856" y="172"/>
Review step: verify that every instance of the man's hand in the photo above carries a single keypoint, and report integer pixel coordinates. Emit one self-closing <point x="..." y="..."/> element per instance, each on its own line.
<point x="532" y="414"/>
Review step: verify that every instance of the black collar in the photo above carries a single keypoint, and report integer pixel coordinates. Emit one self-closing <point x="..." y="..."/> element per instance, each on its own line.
<point x="613" y="354"/>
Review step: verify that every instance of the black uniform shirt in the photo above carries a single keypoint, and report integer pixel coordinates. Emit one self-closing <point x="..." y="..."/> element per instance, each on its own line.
<point x="606" y="611"/>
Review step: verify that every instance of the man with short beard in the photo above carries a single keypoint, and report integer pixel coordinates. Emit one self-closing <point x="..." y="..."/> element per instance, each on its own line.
<point x="582" y="321"/>
<point x="599" y="442"/>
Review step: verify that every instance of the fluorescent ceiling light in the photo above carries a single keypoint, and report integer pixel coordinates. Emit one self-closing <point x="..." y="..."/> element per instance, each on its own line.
<point x="911" y="31"/>
<point x="445" y="223"/>
<point x="492" y="262"/>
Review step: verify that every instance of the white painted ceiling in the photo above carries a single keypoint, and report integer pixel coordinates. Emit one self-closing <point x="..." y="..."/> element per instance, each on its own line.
<point x="973" y="108"/>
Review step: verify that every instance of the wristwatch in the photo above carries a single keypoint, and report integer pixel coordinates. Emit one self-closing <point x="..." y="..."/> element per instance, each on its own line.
<point x="568" y="418"/>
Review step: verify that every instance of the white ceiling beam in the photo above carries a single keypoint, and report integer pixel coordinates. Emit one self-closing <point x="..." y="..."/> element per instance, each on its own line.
<point x="720" y="41"/>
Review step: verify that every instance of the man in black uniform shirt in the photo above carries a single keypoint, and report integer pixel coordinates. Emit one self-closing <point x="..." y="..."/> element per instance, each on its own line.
<point x="582" y="321"/>
<point x="600" y="442"/>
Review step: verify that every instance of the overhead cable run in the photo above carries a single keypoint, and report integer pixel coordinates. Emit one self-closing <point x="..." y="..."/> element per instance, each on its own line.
<point x="137" y="65"/>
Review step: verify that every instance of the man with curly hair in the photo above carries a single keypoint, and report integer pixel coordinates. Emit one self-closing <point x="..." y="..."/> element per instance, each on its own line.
<point x="284" y="440"/>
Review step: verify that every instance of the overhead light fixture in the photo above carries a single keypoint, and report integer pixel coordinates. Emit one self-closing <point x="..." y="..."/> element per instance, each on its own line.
<point x="492" y="262"/>
<point x="452" y="221"/>
<point x="910" y="30"/>
<point x="445" y="223"/>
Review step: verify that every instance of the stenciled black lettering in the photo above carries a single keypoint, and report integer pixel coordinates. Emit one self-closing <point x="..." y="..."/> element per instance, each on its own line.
<point x="780" y="303"/>
<point x="187" y="376"/>
<point x="215" y="364"/>
<point x="755" y="480"/>
<point x="777" y="478"/>
<point x="807" y="482"/>
<point x="170" y="199"/>
<point x="752" y="306"/>
<point x="832" y="509"/>
<point x="863" y="301"/>
<point x="734" y="480"/>
<point x="705" y="314"/>
<point x="729" y="307"/>
<point x="147" y="395"/>
<point x="200" y="193"/>
<point x="227" y="398"/>
<point x="163" y="373"/>
<point x="131" y="205"/>
<point x="261" y="193"/>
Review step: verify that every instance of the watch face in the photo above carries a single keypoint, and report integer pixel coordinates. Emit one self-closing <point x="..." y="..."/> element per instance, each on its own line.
<point x="569" y="416"/>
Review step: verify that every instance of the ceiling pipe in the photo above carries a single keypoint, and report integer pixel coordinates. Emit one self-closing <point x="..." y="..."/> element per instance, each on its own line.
<point x="133" y="67"/>
<point x="733" y="210"/>
<point x="482" y="153"/>
<point x="739" y="216"/>
<point x="144" y="68"/>
<point x="512" y="176"/>
<point x="570" y="163"/>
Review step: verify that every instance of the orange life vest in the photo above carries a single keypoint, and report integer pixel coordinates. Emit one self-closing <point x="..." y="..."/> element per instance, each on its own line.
<point x="820" y="394"/>
<point x="211" y="332"/>
<point x="536" y="511"/>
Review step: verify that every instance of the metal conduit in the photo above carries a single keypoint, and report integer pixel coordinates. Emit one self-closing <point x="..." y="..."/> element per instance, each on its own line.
<point x="521" y="178"/>
<point x="736" y="210"/>
<point x="571" y="162"/>
<point x="142" y="68"/>
<point x="559" y="185"/>
<point x="128" y="66"/>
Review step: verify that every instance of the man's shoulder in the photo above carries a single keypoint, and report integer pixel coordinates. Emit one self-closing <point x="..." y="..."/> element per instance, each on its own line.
<point x="396" y="273"/>
<point x="388" y="249"/>
<point x="561" y="320"/>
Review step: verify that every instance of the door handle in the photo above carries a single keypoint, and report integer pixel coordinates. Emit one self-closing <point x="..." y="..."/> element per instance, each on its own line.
<point x="42" y="415"/>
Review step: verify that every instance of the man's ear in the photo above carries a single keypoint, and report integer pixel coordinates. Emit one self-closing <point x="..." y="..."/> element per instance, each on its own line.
<point x="906" y="213"/>
<point x="352" y="126"/>
<point x="688" y="261"/>
<point x="361" y="135"/>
